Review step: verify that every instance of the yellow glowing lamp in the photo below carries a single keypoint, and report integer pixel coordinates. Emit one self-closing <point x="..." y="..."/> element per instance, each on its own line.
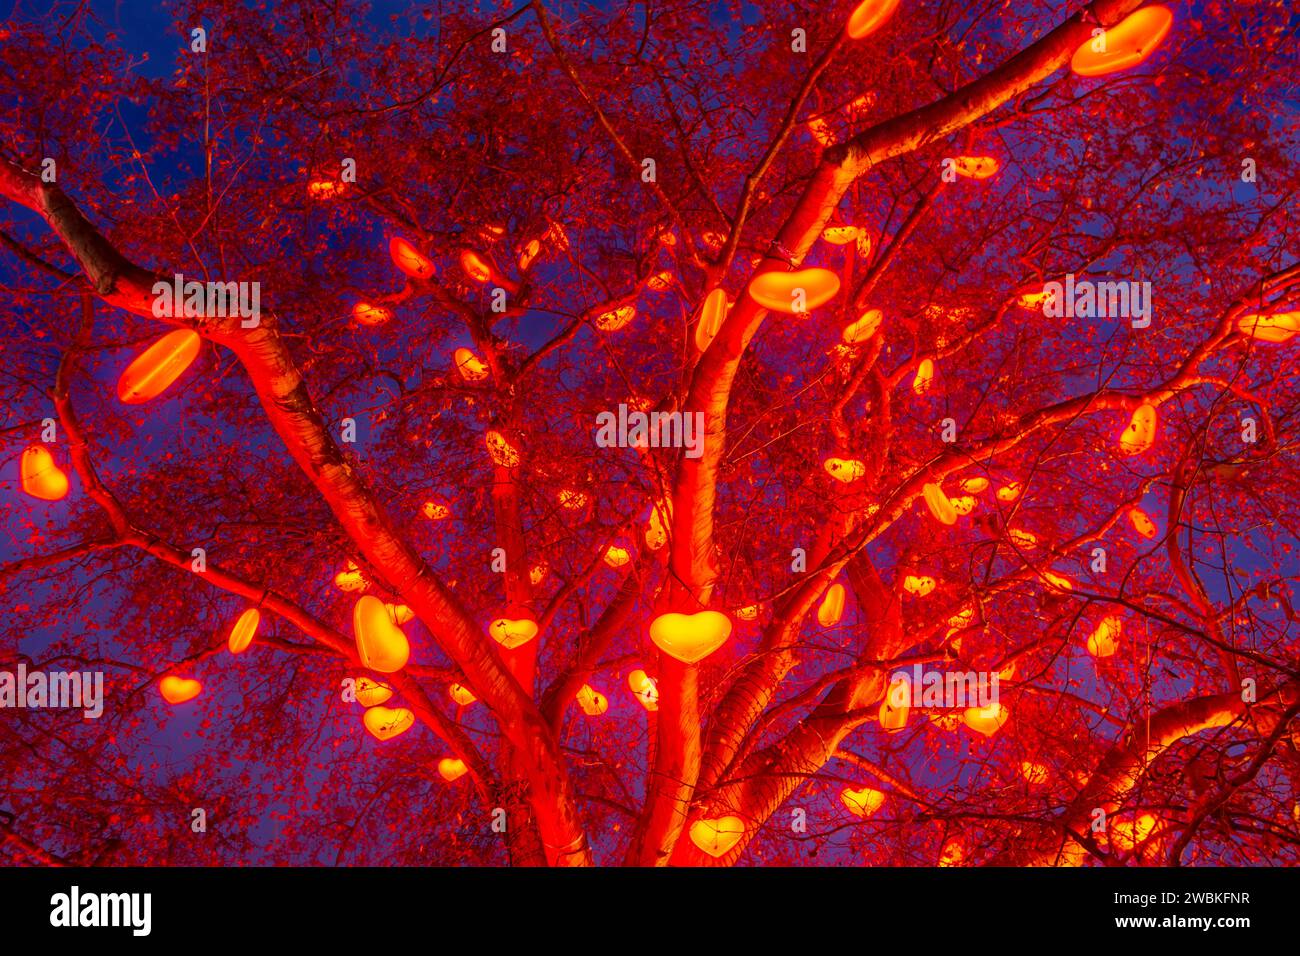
<point x="1142" y="523"/>
<point x="1009" y="492"/>
<point x="515" y="628"/>
<point x="410" y="260"/>
<point x="975" y="167"/>
<point x="645" y="688"/>
<point x="712" y="315"/>
<point x="920" y="585"/>
<point x="1141" y="431"/>
<point x="502" y="453"/>
<point x="660" y="282"/>
<point x="571" y="500"/>
<point x="537" y="573"/>
<point x="864" y="328"/>
<point x="952" y="854"/>
<point x="832" y="607"/>
<point x="690" y="637"/>
<point x="986" y="720"/>
<point x="616" y="557"/>
<point x="963" y="504"/>
<point x="1058" y="581"/>
<point x="469" y="366"/>
<point x="40" y="476"/>
<point x="840" y="235"/>
<point x="593" y="704"/>
<point x="615" y="319"/>
<point x="1129" y="835"/>
<point x="794" y="293"/>
<point x="1034" y="774"/>
<point x="154" y="369"/>
<point x="372" y="693"/>
<point x="863" y="802"/>
<point x="461" y="694"/>
<point x="386" y="723"/>
<point x="973" y="486"/>
<point x="924" y="377"/>
<point x="245" y="629"/>
<point x="381" y="644"/>
<point x="1274" y="329"/>
<point x="368" y="314"/>
<point x="1022" y="539"/>
<point x="178" y="690"/>
<point x="868" y="17"/>
<point x="717" y="836"/>
<point x="350" y="578"/>
<point x="893" y="716"/>
<point x="938" y="504"/>
<point x="399" y="613"/>
<point x="847" y="470"/>
<point x="529" y="254"/>
<point x="1124" y="45"/>
<point x="661" y="517"/>
<point x="324" y="189"/>
<point x="452" y="768"/>
<point x="435" y="511"/>
<point x="1104" y="641"/>
<point x="475" y="266"/>
<point x="747" y="613"/>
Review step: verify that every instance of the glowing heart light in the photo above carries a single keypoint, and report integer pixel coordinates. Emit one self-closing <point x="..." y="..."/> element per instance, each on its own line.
<point x="862" y="330"/>
<point x="832" y="606"/>
<point x="846" y="470"/>
<point x="1022" y="539"/>
<point x="435" y="511"/>
<point x="461" y="694"/>
<point x="367" y="314"/>
<point x="1129" y="835"/>
<point x="1140" y="434"/>
<point x="938" y="504"/>
<point x="1058" y="581"/>
<point x="1274" y="329"/>
<point x="952" y="854"/>
<point x="840" y="235"/>
<point x="794" y="293"/>
<point x="515" y="628"/>
<point x="645" y="688"/>
<point x="154" y="369"/>
<point x="571" y="500"/>
<point x="973" y="486"/>
<point x="1009" y="492"/>
<point x="469" y="366"/>
<point x="475" y="266"/>
<point x="924" y="377"/>
<point x="40" y="476"/>
<point x="371" y="693"/>
<point x="975" y="167"/>
<point x="661" y="517"/>
<point x="712" y="314"/>
<point x="963" y="504"/>
<point x="452" y="768"/>
<point x="1104" y="641"/>
<point x="593" y="704"/>
<point x="986" y="720"/>
<point x="537" y="573"/>
<point x="381" y="644"/>
<point x="868" y="17"/>
<point x="863" y="802"/>
<point x="385" y="723"/>
<point x="399" y="613"/>
<point x="502" y="453"/>
<point x="920" y="585"/>
<point x="325" y="189"/>
<point x="616" y="557"/>
<point x="893" y="715"/>
<point x="410" y="260"/>
<point x="531" y="250"/>
<point x="615" y="319"/>
<point x="1142" y="523"/>
<point x="178" y="690"/>
<point x="1124" y="45"/>
<point x="350" y="578"/>
<point x="245" y="629"/>
<point x="1034" y="774"/>
<point x="690" y="637"/>
<point x="717" y="836"/>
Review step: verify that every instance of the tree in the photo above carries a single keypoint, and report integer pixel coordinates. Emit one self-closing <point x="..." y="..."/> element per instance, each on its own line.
<point x="999" y="390"/>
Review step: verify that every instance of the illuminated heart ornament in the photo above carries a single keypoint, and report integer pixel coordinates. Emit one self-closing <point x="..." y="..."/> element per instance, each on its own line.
<point x="461" y="694"/>
<point x="711" y="317"/>
<point x="1104" y="641"/>
<point x="1274" y="329"/>
<point x="1010" y="492"/>
<point x="158" y="366"/>
<point x="245" y="629"/>
<point x="371" y="693"/>
<point x="399" y="613"/>
<point x="924" y="377"/>
<point x="469" y="366"/>
<point x="690" y="637"/>
<point x="178" y="690"/>
<point x="386" y="723"/>
<point x="1142" y="523"/>
<point x="863" y="329"/>
<point x="435" y="511"/>
<point x="41" y="477"/>
<point x="615" y="319"/>
<point x="409" y="259"/>
<point x="452" y="768"/>
<point x="975" y="167"/>
<point x="513" y="632"/>
<point x="939" y="504"/>
<point x="868" y="17"/>
<point x="592" y="702"/>
<point x="1141" y="431"/>
<point x="717" y="836"/>
<point x="986" y="720"/>
<point x="862" y="803"/>
<point x="920" y="585"/>
<point x="795" y="293"/>
<point x="616" y="557"/>
<point x="840" y="235"/>
<point x="350" y="578"/>
<point x="500" y="450"/>
<point x="963" y="504"/>
<point x="847" y="470"/>
<point x="1124" y="45"/>
<point x="974" y="486"/>
<point x="367" y="314"/>
<point x="832" y="607"/>
<point x="645" y="689"/>
<point x="381" y="644"/>
<point x="475" y="266"/>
